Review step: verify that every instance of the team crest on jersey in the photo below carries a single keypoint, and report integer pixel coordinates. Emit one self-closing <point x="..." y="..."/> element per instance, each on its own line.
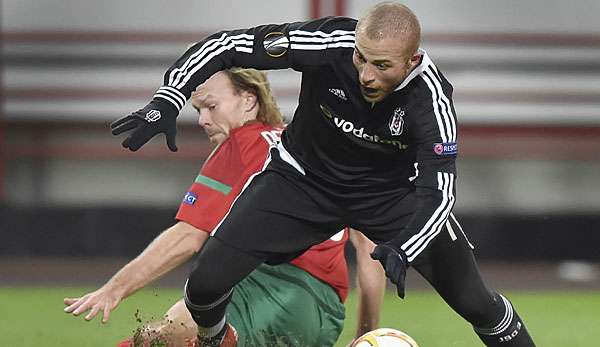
<point x="276" y="44"/>
<point x="397" y="122"/>
<point x="190" y="198"/>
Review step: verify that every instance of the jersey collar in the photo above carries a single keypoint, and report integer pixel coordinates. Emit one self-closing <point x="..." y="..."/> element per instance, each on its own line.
<point x="425" y="61"/>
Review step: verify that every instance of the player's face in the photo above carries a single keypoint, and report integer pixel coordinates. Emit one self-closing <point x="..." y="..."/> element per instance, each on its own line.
<point x="381" y="65"/>
<point x="220" y="108"/>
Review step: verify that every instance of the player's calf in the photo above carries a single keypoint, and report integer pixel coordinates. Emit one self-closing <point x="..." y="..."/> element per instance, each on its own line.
<point x="508" y="331"/>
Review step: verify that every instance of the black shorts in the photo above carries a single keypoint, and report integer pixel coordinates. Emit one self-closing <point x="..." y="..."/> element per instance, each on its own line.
<point x="282" y="212"/>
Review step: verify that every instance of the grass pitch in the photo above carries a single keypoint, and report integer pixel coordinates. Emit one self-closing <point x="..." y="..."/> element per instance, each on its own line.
<point x="34" y="317"/>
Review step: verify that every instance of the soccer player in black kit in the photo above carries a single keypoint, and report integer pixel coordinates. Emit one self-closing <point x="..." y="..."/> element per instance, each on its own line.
<point x="372" y="145"/>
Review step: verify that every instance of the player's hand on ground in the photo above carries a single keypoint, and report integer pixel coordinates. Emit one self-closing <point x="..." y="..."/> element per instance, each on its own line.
<point x="157" y="117"/>
<point x="394" y="262"/>
<point x="103" y="300"/>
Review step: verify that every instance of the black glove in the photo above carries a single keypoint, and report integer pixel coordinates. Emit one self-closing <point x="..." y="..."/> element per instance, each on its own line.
<point x="394" y="262"/>
<point x="158" y="116"/>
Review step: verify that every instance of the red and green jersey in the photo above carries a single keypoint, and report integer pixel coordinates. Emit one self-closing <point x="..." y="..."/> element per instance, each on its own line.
<point x="223" y="177"/>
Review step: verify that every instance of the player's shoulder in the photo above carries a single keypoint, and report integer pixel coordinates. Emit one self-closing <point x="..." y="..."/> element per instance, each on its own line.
<point x="327" y="24"/>
<point x="431" y="79"/>
<point x="337" y="23"/>
<point x="256" y="134"/>
<point x="426" y="89"/>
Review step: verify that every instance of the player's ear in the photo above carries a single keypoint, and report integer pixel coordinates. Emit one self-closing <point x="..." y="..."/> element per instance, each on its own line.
<point x="414" y="60"/>
<point x="250" y="101"/>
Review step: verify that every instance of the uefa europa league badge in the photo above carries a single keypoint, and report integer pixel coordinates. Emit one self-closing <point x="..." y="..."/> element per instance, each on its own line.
<point x="276" y="44"/>
<point x="397" y="122"/>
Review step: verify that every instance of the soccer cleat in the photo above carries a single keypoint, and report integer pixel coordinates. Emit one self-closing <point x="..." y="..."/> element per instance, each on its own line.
<point x="227" y="337"/>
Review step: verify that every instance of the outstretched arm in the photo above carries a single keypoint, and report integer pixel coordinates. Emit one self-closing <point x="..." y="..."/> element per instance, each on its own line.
<point x="170" y="249"/>
<point x="300" y="45"/>
<point x="370" y="278"/>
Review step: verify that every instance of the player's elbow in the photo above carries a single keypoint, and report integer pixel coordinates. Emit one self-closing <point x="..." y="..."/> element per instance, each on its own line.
<point x="191" y="237"/>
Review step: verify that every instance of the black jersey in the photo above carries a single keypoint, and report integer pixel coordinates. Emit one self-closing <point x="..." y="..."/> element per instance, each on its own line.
<point x="405" y="143"/>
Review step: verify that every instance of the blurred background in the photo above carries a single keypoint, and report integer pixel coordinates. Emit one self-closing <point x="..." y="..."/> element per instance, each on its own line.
<point x="526" y="76"/>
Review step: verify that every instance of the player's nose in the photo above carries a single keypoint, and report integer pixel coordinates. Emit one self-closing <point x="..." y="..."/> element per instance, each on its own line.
<point x="203" y="119"/>
<point x="367" y="75"/>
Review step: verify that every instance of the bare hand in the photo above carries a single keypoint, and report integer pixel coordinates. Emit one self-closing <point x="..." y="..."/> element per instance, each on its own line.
<point x="102" y="299"/>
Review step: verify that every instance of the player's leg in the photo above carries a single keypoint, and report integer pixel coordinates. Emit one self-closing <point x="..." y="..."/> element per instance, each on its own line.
<point x="176" y="329"/>
<point x="217" y="269"/>
<point x="449" y="265"/>
<point x="274" y="219"/>
<point x="284" y="305"/>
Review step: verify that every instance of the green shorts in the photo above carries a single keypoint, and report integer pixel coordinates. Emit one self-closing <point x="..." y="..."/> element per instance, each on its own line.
<point x="285" y="306"/>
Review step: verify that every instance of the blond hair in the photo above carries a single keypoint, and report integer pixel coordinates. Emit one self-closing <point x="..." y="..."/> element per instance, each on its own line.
<point x="391" y="20"/>
<point x="256" y="82"/>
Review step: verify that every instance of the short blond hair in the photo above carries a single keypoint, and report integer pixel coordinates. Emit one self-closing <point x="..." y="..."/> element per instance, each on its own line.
<point x="391" y="20"/>
<point x="256" y="82"/>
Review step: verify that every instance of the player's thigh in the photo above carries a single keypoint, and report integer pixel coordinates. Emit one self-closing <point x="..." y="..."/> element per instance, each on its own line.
<point x="285" y="306"/>
<point x="277" y="216"/>
<point x="382" y="218"/>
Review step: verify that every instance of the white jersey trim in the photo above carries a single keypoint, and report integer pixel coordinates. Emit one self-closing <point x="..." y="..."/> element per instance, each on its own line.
<point x="242" y="42"/>
<point x="287" y="157"/>
<point x="318" y="40"/>
<point x="418" y="242"/>
<point x="441" y="106"/>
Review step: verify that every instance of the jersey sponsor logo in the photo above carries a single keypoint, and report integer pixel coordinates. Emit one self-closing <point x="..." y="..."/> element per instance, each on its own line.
<point x="339" y="93"/>
<point x="276" y="44"/>
<point x="190" y="198"/>
<point x="273" y="137"/>
<point x="445" y="148"/>
<point x="349" y="128"/>
<point x="152" y="116"/>
<point x="397" y="122"/>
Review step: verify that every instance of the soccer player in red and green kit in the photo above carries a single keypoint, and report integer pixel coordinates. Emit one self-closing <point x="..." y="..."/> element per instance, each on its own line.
<point x="298" y="303"/>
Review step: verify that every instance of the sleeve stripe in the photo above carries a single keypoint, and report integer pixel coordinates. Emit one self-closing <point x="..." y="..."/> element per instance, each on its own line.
<point x="174" y="92"/>
<point x="418" y="242"/>
<point x="213" y="184"/>
<point x="242" y="42"/>
<point x="443" y="113"/>
<point x="185" y="65"/>
<point x="415" y="237"/>
<point x="174" y="98"/>
<point x="321" y="33"/>
<point x="321" y="47"/>
<point x="322" y="39"/>
<point x="445" y="100"/>
<point x="225" y="46"/>
<point x="318" y="40"/>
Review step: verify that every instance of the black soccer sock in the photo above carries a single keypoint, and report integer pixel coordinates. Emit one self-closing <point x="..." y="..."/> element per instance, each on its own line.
<point x="211" y="317"/>
<point x="208" y="289"/>
<point x="508" y="331"/>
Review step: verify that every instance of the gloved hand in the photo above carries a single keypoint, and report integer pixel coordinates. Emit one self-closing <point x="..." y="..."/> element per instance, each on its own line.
<point x="393" y="259"/>
<point x="158" y="116"/>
